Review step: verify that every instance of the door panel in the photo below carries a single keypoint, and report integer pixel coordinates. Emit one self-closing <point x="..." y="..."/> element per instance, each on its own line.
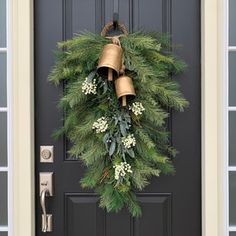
<point x="171" y="204"/>
<point x="84" y="217"/>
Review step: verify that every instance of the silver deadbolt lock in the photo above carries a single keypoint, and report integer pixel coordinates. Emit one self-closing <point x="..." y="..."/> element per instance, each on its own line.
<point x="46" y="154"/>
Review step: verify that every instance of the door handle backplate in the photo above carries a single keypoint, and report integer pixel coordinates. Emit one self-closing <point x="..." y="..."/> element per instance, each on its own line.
<point x="46" y="182"/>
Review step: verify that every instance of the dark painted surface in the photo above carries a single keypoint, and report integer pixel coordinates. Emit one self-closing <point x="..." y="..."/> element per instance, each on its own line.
<point x="171" y="204"/>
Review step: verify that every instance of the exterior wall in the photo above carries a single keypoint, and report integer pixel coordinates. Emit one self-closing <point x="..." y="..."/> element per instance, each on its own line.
<point x="23" y="115"/>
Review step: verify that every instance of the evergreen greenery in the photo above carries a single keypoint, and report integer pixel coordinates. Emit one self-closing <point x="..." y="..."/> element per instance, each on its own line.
<point x="149" y="62"/>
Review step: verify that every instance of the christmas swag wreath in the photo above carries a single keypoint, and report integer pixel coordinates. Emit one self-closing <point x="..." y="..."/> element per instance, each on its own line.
<point x="118" y="94"/>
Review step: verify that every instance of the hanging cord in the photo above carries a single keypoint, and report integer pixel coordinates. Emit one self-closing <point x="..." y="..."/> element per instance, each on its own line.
<point x="116" y="39"/>
<point x="109" y="26"/>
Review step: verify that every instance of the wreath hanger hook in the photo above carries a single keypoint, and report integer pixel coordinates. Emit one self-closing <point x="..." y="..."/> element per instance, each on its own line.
<point x="115" y="20"/>
<point x="115" y="14"/>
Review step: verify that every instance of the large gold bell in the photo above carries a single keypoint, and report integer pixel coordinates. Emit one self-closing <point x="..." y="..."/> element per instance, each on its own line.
<point x="124" y="87"/>
<point x="110" y="61"/>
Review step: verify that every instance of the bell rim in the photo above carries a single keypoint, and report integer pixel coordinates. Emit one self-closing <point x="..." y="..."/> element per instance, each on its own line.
<point x="123" y="76"/>
<point x="108" y="66"/>
<point x="109" y="44"/>
<point x="126" y="94"/>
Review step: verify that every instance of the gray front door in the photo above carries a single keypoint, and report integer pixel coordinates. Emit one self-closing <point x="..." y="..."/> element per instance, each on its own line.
<point x="171" y="204"/>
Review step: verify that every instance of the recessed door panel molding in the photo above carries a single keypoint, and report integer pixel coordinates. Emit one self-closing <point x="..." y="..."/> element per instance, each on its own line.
<point x="156" y="218"/>
<point x="85" y="217"/>
<point x="76" y="11"/>
<point x="152" y="15"/>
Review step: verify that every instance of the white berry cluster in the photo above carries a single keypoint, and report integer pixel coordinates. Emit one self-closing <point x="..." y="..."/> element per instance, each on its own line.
<point x="89" y="87"/>
<point x="137" y="108"/>
<point x="100" y="125"/>
<point x="122" y="169"/>
<point x="129" y="141"/>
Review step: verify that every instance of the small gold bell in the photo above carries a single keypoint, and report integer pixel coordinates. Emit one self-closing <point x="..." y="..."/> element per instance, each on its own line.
<point x="110" y="61"/>
<point x="124" y="87"/>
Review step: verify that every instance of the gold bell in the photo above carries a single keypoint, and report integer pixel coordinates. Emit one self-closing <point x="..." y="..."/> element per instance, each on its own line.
<point x="124" y="87"/>
<point x="110" y="61"/>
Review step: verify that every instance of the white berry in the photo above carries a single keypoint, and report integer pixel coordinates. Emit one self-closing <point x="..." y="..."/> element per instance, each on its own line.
<point x="89" y="87"/>
<point x="137" y="108"/>
<point x="101" y="125"/>
<point x="121" y="170"/>
<point x="129" y="141"/>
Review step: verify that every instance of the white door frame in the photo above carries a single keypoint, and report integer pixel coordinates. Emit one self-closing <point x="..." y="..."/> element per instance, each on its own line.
<point x="213" y="188"/>
<point x="23" y="118"/>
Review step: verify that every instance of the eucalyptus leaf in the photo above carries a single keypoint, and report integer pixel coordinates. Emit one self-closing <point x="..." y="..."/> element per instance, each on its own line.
<point x="130" y="151"/>
<point x="112" y="148"/>
<point x="91" y="76"/>
<point x="116" y="121"/>
<point x="123" y="129"/>
<point x="106" y="137"/>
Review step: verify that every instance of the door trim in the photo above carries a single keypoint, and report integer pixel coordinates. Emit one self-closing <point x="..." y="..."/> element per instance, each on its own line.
<point x="23" y="118"/>
<point x="213" y="217"/>
<point x="212" y="121"/>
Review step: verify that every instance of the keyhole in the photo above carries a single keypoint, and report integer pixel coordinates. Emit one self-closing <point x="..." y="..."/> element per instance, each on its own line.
<point x="46" y="154"/>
